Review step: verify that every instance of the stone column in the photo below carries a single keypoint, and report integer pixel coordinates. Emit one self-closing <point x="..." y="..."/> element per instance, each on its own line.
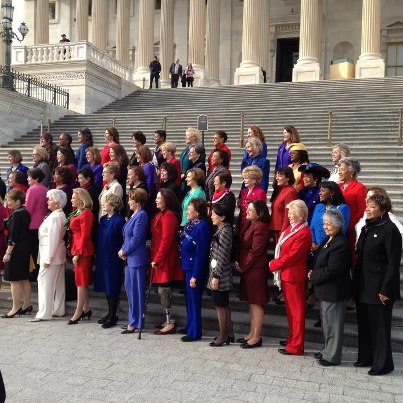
<point x="123" y="31"/>
<point x="249" y="71"/>
<point x="197" y="30"/>
<point x="100" y="24"/>
<point x="166" y="40"/>
<point x="265" y="37"/>
<point x="145" y="46"/>
<point x="213" y="42"/>
<point x="82" y="20"/>
<point x="370" y="62"/>
<point x="307" y="67"/>
<point x="3" y="47"/>
<point x="42" y="22"/>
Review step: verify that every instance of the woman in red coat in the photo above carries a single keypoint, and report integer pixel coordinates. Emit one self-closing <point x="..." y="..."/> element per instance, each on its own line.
<point x="165" y="265"/>
<point x="253" y="267"/>
<point x="80" y="223"/>
<point x="290" y="272"/>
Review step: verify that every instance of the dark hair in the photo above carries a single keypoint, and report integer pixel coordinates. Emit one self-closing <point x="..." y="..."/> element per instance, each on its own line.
<point x="139" y="195"/>
<point x="3" y="191"/>
<point x="222" y="134"/>
<point x="87" y="173"/>
<point x="261" y="210"/>
<point x="139" y="171"/>
<point x="145" y="154"/>
<point x="294" y="133"/>
<point x="171" y="202"/>
<point x="18" y="176"/>
<point x="162" y="133"/>
<point x="17" y="194"/>
<point x="65" y="174"/>
<point x="171" y="170"/>
<point x="337" y="197"/>
<point x="223" y="155"/>
<point x="48" y="137"/>
<point x="87" y="134"/>
<point x="225" y="177"/>
<point x="67" y="154"/>
<point x="114" y="133"/>
<point x="139" y="136"/>
<point x="222" y="211"/>
<point x="288" y="173"/>
<point x="121" y="154"/>
<point x="200" y="206"/>
<point x="36" y="174"/>
<point x="16" y="154"/>
<point x="67" y="136"/>
<point x="382" y="201"/>
<point x="302" y="156"/>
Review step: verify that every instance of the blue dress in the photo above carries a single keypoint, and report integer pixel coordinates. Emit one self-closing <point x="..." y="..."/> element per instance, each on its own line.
<point x="317" y="231"/>
<point x="311" y="198"/>
<point x="283" y="157"/>
<point x="109" y="267"/>
<point x="80" y="156"/>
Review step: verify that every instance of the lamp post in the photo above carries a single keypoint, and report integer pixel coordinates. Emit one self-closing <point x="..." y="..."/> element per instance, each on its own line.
<point x="7" y="11"/>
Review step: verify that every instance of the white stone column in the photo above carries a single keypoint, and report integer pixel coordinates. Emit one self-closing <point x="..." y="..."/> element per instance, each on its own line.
<point x="370" y="62"/>
<point x="145" y="45"/>
<point x="100" y="24"/>
<point x="123" y="31"/>
<point x="166" y="40"/>
<point x="249" y="71"/>
<point x="213" y="42"/>
<point x="82" y="19"/>
<point x="197" y="31"/>
<point x="307" y="67"/>
<point x="42" y="22"/>
<point x="265" y="37"/>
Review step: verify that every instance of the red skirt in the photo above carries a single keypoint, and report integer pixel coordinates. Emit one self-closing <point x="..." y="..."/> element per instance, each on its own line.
<point x="254" y="288"/>
<point x="82" y="272"/>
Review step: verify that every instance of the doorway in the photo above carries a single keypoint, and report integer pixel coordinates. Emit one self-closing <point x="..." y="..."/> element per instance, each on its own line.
<point x="287" y="57"/>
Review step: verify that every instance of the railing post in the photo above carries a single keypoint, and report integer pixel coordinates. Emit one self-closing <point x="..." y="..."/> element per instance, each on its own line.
<point x="113" y="122"/>
<point x="144" y="83"/>
<point x="49" y="125"/>
<point x="241" y="142"/>
<point x="41" y="124"/>
<point x="400" y="133"/>
<point x="164" y="123"/>
<point x="29" y="87"/>
<point x="329" y="129"/>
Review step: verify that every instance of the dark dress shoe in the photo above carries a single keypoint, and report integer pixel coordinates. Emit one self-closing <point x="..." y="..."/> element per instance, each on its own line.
<point x="258" y="344"/>
<point x="187" y="339"/>
<point x="326" y="363"/>
<point x="159" y="332"/>
<point x="182" y="331"/>
<point x="362" y="364"/>
<point x="382" y="372"/>
<point x="127" y="331"/>
<point x="318" y="323"/>
<point x="103" y="320"/>
<point x="241" y="340"/>
<point x="282" y="343"/>
<point x="284" y="351"/>
<point x="109" y="323"/>
<point x="317" y="355"/>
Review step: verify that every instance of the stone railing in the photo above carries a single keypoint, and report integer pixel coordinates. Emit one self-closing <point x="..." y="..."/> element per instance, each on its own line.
<point x="70" y="52"/>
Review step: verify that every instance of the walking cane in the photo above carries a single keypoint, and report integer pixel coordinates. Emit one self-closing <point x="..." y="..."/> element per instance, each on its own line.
<point x="146" y="301"/>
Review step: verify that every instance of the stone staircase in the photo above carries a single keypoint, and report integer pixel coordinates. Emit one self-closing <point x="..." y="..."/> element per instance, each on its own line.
<point x="365" y="116"/>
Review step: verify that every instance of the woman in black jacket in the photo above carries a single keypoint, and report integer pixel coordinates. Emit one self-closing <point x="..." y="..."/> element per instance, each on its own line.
<point x="377" y="285"/>
<point x="331" y="278"/>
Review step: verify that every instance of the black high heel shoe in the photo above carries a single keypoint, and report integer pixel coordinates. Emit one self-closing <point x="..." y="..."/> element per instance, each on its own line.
<point x="27" y="310"/>
<point x="86" y="315"/>
<point x="75" y="321"/>
<point x="226" y="342"/>
<point x="6" y="316"/>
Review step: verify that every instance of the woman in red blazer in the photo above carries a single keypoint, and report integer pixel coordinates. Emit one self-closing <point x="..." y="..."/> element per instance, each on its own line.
<point x="165" y="265"/>
<point x="290" y="272"/>
<point x="80" y="223"/>
<point x="284" y="193"/>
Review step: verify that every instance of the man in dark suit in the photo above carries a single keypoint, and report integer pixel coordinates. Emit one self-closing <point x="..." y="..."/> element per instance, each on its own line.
<point x="155" y="70"/>
<point x="176" y="71"/>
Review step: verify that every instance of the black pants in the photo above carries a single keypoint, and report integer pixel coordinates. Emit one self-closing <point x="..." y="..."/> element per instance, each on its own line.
<point x="2" y="390"/>
<point x="174" y="80"/>
<point x="152" y="76"/>
<point x="34" y="249"/>
<point x="374" y="335"/>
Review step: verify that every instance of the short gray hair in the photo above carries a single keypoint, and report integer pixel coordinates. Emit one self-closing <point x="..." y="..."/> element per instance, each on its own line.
<point x="255" y="143"/>
<point x="199" y="148"/>
<point x="344" y="150"/>
<point x="58" y="196"/>
<point x="352" y="164"/>
<point x="335" y="218"/>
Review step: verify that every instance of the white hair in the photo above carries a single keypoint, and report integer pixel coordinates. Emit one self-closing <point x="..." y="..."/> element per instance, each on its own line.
<point x="58" y="196"/>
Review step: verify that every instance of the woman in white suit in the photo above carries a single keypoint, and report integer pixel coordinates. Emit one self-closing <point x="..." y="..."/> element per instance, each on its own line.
<point x="52" y="259"/>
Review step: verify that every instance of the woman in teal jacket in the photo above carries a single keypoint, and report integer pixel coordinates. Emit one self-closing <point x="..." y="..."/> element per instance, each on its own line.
<point x="195" y="180"/>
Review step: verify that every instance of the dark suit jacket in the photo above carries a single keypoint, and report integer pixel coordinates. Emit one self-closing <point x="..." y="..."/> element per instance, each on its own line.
<point x="379" y="250"/>
<point x="172" y="69"/>
<point x="331" y="272"/>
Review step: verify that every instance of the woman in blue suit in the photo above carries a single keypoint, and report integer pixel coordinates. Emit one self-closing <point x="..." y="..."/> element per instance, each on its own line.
<point x="135" y="253"/>
<point x="195" y="242"/>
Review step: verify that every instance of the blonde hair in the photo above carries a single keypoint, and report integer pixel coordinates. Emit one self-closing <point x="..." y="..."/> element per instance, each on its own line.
<point x="41" y="151"/>
<point x="169" y="147"/>
<point x="84" y="197"/>
<point x="299" y="207"/>
<point x="193" y="131"/>
<point x="114" y="200"/>
<point x="95" y="153"/>
<point x="253" y="172"/>
<point x="113" y="168"/>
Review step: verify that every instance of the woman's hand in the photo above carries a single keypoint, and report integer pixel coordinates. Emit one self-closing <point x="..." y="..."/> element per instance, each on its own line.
<point x="154" y="265"/>
<point x="192" y="282"/>
<point x="75" y="259"/>
<point x="314" y="247"/>
<point x="214" y="283"/>
<point x="309" y="274"/>
<point x="122" y="255"/>
<point x="6" y="257"/>
<point x="237" y="268"/>
<point x="383" y="298"/>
